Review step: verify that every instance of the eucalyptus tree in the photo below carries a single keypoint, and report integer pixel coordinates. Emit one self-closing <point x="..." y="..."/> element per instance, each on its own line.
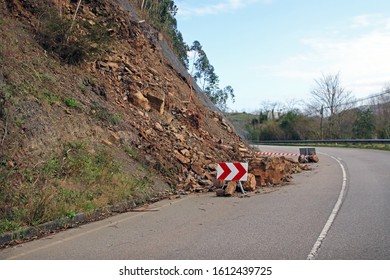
<point x="204" y="74"/>
<point x="161" y="13"/>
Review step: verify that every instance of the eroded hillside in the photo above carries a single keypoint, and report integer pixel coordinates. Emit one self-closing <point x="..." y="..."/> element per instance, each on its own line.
<point x="97" y="116"/>
<point x="122" y="123"/>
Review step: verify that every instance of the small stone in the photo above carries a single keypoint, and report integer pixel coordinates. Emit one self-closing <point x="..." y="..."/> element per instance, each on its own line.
<point x="185" y="152"/>
<point x="106" y="142"/>
<point x="159" y="127"/>
<point x="114" y="137"/>
<point x="220" y="192"/>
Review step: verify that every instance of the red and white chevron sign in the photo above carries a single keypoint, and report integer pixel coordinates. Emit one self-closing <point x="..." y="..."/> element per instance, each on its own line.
<point x="232" y="171"/>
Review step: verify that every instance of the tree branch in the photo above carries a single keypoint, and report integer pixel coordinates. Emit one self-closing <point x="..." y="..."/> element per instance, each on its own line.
<point x="74" y="16"/>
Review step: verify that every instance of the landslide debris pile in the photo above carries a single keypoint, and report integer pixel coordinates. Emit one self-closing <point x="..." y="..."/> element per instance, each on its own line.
<point x="70" y="105"/>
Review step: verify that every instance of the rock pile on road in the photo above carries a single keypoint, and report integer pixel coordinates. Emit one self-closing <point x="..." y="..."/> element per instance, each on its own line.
<point x="265" y="172"/>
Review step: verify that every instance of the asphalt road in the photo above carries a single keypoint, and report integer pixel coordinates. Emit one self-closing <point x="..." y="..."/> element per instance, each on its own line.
<point x="291" y="222"/>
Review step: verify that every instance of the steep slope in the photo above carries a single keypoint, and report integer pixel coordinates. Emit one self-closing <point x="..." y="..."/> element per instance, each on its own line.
<point x="97" y="115"/>
<point x="121" y="124"/>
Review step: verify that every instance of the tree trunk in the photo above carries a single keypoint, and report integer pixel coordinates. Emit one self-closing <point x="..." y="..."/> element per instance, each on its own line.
<point x="74" y="16"/>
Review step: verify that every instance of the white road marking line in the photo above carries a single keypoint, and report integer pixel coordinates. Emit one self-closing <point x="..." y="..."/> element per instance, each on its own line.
<point x="336" y="208"/>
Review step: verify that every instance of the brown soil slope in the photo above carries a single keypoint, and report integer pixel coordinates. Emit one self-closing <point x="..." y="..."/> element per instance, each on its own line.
<point x="125" y="118"/>
<point x="148" y="104"/>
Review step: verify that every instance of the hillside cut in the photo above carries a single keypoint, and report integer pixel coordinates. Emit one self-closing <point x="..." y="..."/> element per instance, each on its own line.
<point x="85" y="124"/>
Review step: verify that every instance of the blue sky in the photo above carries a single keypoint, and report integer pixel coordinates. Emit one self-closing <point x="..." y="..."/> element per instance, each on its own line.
<point x="273" y="50"/>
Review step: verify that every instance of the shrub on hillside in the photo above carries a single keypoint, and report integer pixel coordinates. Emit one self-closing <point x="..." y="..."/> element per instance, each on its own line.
<point x="72" y="45"/>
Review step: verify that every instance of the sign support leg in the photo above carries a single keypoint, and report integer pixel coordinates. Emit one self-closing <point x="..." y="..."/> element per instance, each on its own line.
<point x="242" y="189"/>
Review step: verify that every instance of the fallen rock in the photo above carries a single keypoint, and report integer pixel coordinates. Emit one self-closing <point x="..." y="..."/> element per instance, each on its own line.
<point x="226" y="147"/>
<point x="226" y="125"/>
<point x="270" y="170"/>
<point x="157" y="101"/>
<point x="185" y="152"/>
<point x="250" y="185"/>
<point x="220" y="192"/>
<point x="230" y="188"/>
<point x="181" y="158"/>
<point x="197" y="168"/>
<point x="180" y="137"/>
<point x="206" y="183"/>
<point x="159" y="127"/>
<point x="313" y="158"/>
<point x="309" y="158"/>
<point x="138" y="99"/>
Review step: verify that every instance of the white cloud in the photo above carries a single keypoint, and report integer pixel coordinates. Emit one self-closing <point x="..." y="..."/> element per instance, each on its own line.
<point x="364" y="20"/>
<point x="370" y="20"/>
<point x="216" y="7"/>
<point x="362" y="58"/>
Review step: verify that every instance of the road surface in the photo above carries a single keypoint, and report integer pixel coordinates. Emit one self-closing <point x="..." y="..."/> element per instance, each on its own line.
<point x="339" y="210"/>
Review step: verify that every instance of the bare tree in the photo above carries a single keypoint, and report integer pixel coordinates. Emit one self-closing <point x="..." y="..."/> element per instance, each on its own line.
<point x="293" y="104"/>
<point x="381" y="105"/>
<point x="329" y="99"/>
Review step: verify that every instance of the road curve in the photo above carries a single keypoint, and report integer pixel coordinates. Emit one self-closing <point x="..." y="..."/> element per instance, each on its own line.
<point x="362" y="227"/>
<point x="285" y="223"/>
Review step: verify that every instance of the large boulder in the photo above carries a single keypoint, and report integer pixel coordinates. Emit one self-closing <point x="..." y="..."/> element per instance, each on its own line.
<point x="139" y="100"/>
<point x="271" y="170"/>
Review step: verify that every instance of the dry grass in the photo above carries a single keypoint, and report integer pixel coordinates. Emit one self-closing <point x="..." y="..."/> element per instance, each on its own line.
<point x="80" y="179"/>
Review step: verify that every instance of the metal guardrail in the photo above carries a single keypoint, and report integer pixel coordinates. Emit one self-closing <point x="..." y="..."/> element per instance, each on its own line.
<point x="331" y="141"/>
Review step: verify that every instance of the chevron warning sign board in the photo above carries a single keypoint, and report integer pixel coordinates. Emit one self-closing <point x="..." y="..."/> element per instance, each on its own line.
<point x="232" y="171"/>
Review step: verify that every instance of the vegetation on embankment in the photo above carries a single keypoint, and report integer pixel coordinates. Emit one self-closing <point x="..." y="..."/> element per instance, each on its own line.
<point x="81" y="178"/>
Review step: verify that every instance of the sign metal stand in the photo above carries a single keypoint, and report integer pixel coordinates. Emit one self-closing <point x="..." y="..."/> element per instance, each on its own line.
<point x="233" y="171"/>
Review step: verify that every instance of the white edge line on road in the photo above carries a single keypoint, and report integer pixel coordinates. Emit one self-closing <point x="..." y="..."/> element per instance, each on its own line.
<point x="336" y="208"/>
